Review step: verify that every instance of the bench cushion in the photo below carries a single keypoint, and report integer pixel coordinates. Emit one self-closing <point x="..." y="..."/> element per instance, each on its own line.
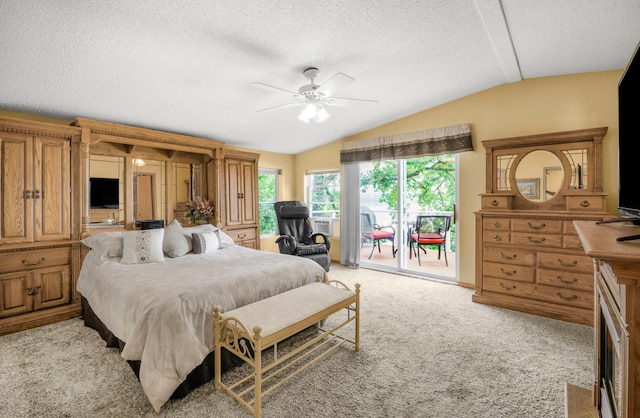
<point x="285" y="309"/>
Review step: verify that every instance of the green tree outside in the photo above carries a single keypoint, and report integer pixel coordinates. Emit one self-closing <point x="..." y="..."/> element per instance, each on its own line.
<point x="430" y="184"/>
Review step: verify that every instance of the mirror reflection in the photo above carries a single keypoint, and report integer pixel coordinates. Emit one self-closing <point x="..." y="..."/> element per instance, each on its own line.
<point x="106" y="191"/>
<point x="149" y="200"/>
<point x="187" y="185"/>
<point x="539" y="176"/>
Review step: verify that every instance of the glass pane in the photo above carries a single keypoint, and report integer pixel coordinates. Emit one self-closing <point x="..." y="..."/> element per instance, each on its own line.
<point x="578" y="162"/>
<point x="503" y="167"/>
<point x="323" y="192"/>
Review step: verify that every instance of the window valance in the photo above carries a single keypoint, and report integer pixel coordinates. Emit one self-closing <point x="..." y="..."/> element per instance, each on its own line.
<point x="435" y="141"/>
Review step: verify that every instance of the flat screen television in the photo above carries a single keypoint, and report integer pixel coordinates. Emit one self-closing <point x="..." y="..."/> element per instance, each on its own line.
<point x="629" y="139"/>
<point x="104" y="193"/>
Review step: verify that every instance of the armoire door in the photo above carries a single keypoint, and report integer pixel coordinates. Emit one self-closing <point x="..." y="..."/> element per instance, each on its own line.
<point x="16" y="179"/>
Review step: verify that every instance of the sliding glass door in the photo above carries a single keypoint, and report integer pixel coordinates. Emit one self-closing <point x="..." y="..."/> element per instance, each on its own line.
<point x="397" y="197"/>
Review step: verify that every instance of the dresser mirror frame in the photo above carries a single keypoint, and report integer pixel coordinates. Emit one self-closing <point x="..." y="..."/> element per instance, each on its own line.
<point x="579" y="154"/>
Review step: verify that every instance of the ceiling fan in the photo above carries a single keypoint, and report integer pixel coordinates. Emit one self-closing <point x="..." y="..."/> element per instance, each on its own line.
<point x="314" y="97"/>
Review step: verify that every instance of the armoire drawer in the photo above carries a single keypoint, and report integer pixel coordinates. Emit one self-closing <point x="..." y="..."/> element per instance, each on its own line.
<point x="245" y="234"/>
<point x="510" y="255"/>
<point x="34" y="259"/>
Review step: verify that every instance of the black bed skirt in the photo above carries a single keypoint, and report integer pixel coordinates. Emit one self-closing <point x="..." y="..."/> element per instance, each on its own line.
<point x="198" y="376"/>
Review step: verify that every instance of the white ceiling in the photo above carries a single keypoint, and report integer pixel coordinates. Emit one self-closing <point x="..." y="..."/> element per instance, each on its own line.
<point x="187" y="66"/>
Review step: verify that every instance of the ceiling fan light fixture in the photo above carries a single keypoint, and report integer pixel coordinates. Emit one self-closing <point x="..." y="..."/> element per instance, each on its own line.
<point x="313" y="111"/>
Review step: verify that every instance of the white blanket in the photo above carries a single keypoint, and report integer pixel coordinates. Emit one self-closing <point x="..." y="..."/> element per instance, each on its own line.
<point x="163" y="311"/>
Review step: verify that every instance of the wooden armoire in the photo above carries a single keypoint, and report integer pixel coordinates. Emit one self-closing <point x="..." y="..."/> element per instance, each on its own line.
<point x="46" y="171"/>
<point x="39" y="248"/>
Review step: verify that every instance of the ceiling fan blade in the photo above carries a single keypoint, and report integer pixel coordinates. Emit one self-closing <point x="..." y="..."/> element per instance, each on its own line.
<point x="345" y="101"/>
<point x="276" y="89"/>
<point x="292" y="104"/>
<point x="335" y="83"/>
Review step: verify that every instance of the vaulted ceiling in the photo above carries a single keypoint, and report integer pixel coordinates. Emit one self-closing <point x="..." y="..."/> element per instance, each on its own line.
<point x="190" y="66"/>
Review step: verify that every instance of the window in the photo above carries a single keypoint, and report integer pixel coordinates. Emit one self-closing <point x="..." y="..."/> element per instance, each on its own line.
<point x="323" y="193"/>
<point x="267" y="196"/>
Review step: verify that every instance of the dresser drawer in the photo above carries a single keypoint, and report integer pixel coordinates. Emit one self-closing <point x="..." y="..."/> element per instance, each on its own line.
<point x="496" y="224"/>
<point x="239" y="235"/>
<point x="34" y="259"/>
<point x="502" y="237"/>
<point x="558" y="296"/>
<point x="496" y="202"/>
<point x="572" y="242"/>
<point x="585" y="203"/>
<point x="537" y="225"/>
<point x="566" y="279"/>
<point x="543" y="240"/>
<point x="568" y="262"/>
<point x="510" y="255"/>
<point x="509" y="271"/>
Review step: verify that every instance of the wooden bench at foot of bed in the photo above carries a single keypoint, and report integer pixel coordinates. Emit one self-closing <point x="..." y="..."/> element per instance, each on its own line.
<point x="248" y="330"/>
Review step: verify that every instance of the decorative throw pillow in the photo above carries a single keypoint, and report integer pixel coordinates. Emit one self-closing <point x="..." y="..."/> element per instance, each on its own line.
<point x="176" y="242"/>
<point x="109" y="244"/>
<point x="142" y="246"/>
<point x="222" y="236"/>
<point x="206" y="242"/>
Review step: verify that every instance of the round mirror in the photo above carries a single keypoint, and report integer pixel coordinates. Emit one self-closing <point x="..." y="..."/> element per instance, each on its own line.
<point x="539" y="176"/>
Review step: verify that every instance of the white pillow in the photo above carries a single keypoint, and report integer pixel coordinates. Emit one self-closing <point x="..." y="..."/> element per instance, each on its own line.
<point x="142" y="246"/>
<point x="176" y="242"/>
<point x="222" y="236"/>
<point x="206" y="242"/>
<point x="109" y="244"/>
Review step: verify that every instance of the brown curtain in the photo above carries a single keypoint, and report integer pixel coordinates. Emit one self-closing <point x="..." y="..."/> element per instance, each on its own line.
<point x="436" y="141"/>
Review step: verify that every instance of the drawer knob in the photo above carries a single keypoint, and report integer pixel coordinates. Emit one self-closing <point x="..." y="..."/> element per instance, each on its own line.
<point x="571" y="264"/>
<point x="242" y="236"/>
<point x="497" y="224"/>
<point x="541" y="226"/>
<point x="508" y="257"/>
<point x="572" y="297"/>
<point x="584" y="204"/>
<point x="33" y="263"/>
<point x="497" y="238"/>
<point x="507" y="287"/>
<point x="494" y="203"/>
<point x="508" y="272"/>
<point x="536" y="240"/>
<point x="572" y="281"/>
<point x="33" y="291"/>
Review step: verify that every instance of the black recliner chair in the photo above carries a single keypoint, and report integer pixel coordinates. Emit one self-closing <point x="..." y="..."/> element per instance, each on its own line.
<point x="297" y="236"/>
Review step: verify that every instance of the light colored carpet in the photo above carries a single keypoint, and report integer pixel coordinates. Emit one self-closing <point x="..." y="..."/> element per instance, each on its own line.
<point x="426" y="351"/>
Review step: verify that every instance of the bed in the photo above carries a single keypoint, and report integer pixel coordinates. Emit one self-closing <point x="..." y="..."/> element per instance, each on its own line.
<point x="152" y="293"/>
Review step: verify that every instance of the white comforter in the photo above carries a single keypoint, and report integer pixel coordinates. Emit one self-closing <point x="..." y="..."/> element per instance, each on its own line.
<point x="163" y="311"/>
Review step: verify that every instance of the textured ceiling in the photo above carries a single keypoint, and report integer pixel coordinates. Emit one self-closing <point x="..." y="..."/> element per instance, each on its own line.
<point x="188" y="66"/>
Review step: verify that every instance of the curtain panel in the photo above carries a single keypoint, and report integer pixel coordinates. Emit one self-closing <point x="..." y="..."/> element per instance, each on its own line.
<point x="444" y="140"/>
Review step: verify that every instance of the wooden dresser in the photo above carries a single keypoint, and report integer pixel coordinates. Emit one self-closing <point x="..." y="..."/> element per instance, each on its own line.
<point x="528" y="254"/>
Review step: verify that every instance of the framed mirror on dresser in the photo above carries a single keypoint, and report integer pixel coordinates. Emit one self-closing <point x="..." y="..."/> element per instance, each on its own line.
<point x="528" y="254"/>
